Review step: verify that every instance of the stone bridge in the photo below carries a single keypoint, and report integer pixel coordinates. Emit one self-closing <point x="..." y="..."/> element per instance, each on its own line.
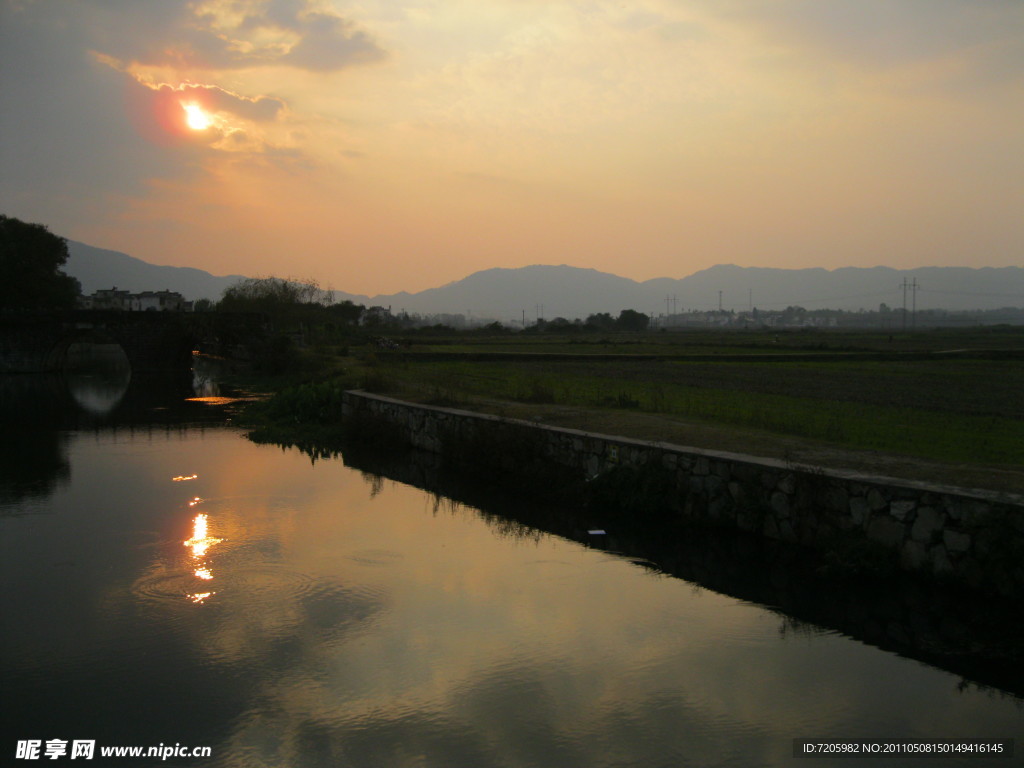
<point x="37" y="342"/>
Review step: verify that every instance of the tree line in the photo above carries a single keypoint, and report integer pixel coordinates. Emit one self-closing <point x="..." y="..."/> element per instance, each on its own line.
<point x="296" y="301"/>
<point x="31" y="258"/>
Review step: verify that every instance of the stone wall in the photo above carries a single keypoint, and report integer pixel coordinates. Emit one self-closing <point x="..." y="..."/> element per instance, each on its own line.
<point x="969" y="536"/>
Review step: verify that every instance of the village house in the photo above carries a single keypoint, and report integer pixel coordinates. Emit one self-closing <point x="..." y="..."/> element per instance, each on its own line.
<point x="126" y="301"/>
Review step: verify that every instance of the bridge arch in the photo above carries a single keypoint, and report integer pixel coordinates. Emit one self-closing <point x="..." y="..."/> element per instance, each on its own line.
<point x="59" y="356"/>
<point x="37" y="342"/>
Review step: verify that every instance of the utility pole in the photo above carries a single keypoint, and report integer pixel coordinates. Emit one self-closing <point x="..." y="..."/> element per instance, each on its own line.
<point x="904" y="286"/>
<point x="719" y="301"/>
<point x="912" y="286"/>
<point x="913" y="303"/>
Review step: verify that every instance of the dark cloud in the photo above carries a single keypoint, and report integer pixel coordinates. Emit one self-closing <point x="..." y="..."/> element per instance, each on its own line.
<point x="76" y="133"/>
<point x="159" y="114"/>
<point x="214" y="98"/>
<point x="220" y="36"/>
<point x="213" y="35"/>
<point x="67" y="137"/>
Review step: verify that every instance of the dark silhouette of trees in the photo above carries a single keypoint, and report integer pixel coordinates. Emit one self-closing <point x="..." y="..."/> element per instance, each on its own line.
<point x="347" y="312"/>
<point x="296" y="312"/>
<point x="629" y="320"/>
<point x="272" y="295"/>
<point x="632" y="321"/>
<point x="602" y="321"/>
<point x="31" y="258"/>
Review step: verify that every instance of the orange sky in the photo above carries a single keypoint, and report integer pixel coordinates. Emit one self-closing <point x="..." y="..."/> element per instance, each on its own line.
<point x="384" y="145"/>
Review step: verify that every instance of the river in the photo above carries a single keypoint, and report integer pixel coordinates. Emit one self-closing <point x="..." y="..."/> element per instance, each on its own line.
<point x="171" y="584"/>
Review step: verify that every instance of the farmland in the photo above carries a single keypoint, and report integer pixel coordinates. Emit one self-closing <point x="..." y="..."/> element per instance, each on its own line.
<point x="942" y="405"/>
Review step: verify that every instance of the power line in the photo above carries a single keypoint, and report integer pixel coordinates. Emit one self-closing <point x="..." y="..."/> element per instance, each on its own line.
<point x="912" y="286"/>
<point x="976" y="293"/>
<point x="831" y="298"/>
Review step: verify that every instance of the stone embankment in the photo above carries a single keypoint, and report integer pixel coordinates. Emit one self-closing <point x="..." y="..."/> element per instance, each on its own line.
<point x="973" y="537"/>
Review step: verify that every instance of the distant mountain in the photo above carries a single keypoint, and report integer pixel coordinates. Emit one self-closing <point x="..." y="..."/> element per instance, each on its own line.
<point x="540" y="290"/>
<point x="849" y="288"/>
<point x="97" y="268"/>
<point x="570" y="292"/>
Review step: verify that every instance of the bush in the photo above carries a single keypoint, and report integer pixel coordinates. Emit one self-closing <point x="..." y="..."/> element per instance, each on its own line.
<point x="314" y="403"/>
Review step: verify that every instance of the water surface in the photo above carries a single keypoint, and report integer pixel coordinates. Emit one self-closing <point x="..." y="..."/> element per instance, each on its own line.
<point x="168" y="581"/>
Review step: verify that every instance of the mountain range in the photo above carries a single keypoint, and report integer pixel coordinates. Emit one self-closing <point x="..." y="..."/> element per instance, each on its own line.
<point x="98" y="268"/>
<point x="548" y="291"/>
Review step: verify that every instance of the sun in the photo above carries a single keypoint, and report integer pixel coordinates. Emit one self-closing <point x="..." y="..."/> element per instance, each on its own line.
<point x="196" y="117"/>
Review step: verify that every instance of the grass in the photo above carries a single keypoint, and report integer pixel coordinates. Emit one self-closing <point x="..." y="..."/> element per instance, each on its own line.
<point x="703" y="341"/>
<point x="960" y="411"/>
<point x="960" y="415"/>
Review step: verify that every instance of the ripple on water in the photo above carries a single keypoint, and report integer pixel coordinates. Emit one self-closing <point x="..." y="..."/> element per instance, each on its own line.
<point x="380" y="558"/>
<point x="257" y="583"/>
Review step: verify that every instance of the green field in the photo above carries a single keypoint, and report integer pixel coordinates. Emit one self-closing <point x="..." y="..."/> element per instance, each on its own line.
<point x="954" y="397"/>
<point x="702" y="341"/>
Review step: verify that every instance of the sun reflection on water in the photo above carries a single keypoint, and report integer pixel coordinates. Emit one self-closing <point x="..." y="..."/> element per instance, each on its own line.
<point x="200" y="543"/>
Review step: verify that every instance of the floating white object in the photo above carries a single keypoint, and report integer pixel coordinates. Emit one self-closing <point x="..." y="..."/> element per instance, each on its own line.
<point x="596" y="532"/>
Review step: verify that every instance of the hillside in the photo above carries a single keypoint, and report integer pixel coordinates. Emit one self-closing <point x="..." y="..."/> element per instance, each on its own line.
<point x="97" y="268"/>
<point x="570" y="292"/>
<point x="563" y="291"/>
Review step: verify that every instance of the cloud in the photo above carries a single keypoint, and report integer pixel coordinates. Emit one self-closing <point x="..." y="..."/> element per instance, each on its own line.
<point x="214" y="99"/>
<point x="186" y="50"/>
<point x="83" y="133"/>
<point x="951" y="43"/>
<point x="66" y="143"/>
<point x="244" y="34"/>
<point x="236" y="122"/>
<point x="327" y="42"/>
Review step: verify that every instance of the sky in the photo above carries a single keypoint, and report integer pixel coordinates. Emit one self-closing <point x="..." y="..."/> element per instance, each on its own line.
<point x="384" y="145"/>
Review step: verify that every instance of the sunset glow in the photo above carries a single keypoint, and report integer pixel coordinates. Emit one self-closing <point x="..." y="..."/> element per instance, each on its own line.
<point x="200" y="541"/>
<point x="196" y="118"/>
<point x="380" y="146"/>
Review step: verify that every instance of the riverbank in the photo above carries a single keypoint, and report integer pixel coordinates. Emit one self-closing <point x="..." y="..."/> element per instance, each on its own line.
<point x="971" y="538"/>
<point x="877" y="404"/>
<point x="770" y="445"/>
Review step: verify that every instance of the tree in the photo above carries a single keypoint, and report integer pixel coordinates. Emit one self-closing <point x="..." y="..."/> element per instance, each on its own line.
<point x="30" y="261"/>
<point x="494" y="327"/>
<point x="378" y="318"/>
<point x="560" y="325"/>
<point x="269" y="294"/>
<point x="631" y="320"/>
<point x="347" y="312"/>
<point x="602" y="321"/>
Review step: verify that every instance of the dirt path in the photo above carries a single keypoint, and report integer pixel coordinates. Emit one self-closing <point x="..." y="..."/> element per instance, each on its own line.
<point x="644" y="426"/>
